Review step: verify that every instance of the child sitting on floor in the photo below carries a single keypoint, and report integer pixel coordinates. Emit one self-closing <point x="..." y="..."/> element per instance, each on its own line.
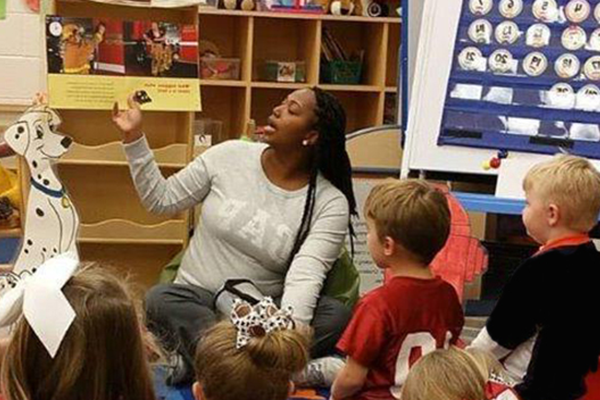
<point x="102" y="355"/>
<point x="456" y="374"/>
<point x="414" y="312"/>
<point x="252" y="357"/>
<point x="544" y="323"/>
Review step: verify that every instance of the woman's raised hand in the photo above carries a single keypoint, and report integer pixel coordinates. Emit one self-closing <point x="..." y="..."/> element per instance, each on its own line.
<point x="128" y="121"/>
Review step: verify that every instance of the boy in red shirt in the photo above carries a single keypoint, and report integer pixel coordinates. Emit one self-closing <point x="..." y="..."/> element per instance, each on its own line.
<point x="413" y="313"/>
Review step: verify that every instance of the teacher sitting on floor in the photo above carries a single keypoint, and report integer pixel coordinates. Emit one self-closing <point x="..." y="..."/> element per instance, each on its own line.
<point x="275" y="213"/>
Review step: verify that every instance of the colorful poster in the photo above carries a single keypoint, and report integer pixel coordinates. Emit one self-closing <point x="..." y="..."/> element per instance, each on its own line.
<point x="93" y="63"/>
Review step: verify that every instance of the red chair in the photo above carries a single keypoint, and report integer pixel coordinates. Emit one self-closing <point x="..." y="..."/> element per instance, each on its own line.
<point x="593" y="386"/>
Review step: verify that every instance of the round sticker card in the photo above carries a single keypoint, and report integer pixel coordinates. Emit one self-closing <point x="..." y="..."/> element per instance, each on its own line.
<point x="538" y="35"/>
<point x="55" y="28"/>
<point x="480" y="31"/>
<point x="545" y="10"/>
<point x="591" y="68"/>
<point x="595" y="40"/>
<point x="480" y="7"/>
<point x="510" y="8"/>
<point x="507" y="32"/>
<point x="588" y="98"/>
<point x="535" y="64"/>
<point x="567" y="66"/>
<point x="501" y="61"/>
<point x="471" y="59"/>
<point x="573" y="38"/>
<point x="561" y="96"/>
<point x="577" y="11"/>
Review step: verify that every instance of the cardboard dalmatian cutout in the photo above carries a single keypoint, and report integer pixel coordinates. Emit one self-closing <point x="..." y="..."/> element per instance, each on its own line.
<point x="52" y="222"/>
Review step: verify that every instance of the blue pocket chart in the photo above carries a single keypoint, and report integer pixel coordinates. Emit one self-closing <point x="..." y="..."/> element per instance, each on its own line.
<point x="525" y="76"/>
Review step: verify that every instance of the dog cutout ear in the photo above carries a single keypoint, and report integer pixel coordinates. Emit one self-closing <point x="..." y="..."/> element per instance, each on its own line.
<point x="17" y="136"/>
<point x="54" y="120"/>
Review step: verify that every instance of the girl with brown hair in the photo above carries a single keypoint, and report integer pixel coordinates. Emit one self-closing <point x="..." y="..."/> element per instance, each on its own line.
<point x="101" y="357"/>
<point x="252" y="357"/>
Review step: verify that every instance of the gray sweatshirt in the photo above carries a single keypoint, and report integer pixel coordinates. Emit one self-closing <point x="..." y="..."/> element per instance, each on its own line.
<point x="248" y="225"/>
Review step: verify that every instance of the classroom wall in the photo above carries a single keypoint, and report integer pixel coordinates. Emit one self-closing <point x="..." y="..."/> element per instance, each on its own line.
<point x="21" y="46"/>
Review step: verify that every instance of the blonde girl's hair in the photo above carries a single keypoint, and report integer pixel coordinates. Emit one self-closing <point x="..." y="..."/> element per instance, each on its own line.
<point x="452" y="374"/>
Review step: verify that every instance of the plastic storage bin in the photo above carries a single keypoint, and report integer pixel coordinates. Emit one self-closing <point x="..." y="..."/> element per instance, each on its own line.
<point x="283" y="71"/>
<point x="341" y="72"/>
<point x="220" y="68"/>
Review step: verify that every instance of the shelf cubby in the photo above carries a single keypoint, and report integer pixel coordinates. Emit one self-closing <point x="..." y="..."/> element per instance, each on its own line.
<point x="393" y="60"/>
<point x="232" y="35"/>
<point x="112" y="154"/>
<point x="143" y="263"/>
<point x="363" y="110"/>
<point x="101" y="194"/>
<point x="370" y="38"/>
<point x="286" y="40"/>
<point x="263" y="102"/>
<point x="228" y="105"/>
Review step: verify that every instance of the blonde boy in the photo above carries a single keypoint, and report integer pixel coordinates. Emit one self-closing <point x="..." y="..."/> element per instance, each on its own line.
<point x="545" y="324"/>
<point x="414" y="312"/>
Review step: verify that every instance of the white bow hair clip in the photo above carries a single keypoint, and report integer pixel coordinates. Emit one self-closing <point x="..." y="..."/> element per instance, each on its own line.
<point x="40" y="299"/>
<point x="259" y="320"/>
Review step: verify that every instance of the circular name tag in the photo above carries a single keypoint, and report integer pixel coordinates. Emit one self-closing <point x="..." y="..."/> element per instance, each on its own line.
<point x="55" y="28"/>
<point x="470" y="59"/>
<point x="591" y="68"/>
<point x="573" y="38"/>
<point x="535" y="64"/>
<point x="481" y="7"/>
<point x="561" y="95"/>
<point x="501" y="61"/>
<point x="567" y="66"/>
<point x="510" y="8"/>
<point x="480" y="31"/>
<point x="545" y="10"/>
<point x="577" y="11"/>
<point x="507" y="32"/>
<point x="595" y="40"/>
<point x="538" y="35"/>
<point x="588" y="98"/>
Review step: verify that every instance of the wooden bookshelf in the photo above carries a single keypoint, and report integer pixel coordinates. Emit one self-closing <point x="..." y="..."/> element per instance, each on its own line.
<point x="255" y="36"/>
<point x="115" y="227"/>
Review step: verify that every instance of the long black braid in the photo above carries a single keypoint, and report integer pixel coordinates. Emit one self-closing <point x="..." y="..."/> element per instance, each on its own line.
<point x="330" y="159"/>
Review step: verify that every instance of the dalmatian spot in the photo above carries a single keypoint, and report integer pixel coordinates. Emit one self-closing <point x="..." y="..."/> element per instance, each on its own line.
<point x="54" y="250"/>
<point x="39" y="177"/>
<point x="39" y="212"/>
<point x="44" y="249"/>
<point x="20" y="129"/>
<point x="257" y="331"/>
<point x="29" y="242"/>
<point x="46" y="182"/>
<point x="26" y="251"/>
<point x="35" y="164"/>
<point x="34" y="269"/>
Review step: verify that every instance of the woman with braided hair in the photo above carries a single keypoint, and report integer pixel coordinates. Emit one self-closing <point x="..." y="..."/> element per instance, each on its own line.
<point x="274" y="212"/>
